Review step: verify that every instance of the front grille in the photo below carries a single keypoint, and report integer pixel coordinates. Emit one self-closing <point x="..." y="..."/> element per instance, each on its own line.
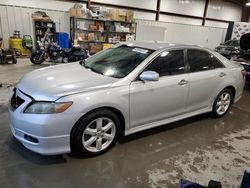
<point x="16" y="101"/>
<point x="246" y="67"/>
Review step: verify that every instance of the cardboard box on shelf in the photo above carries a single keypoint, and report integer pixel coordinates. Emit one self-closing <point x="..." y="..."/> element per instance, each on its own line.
<point x="92" y="27"/>
<point x="100" y="26"/>
<point x="117" y="15"/>
<point x="122" y="12"/>
<point x="91" y="36"/>
<point x="76" y="12"/>
<point x="95" y="48"/>
<point x="129" y="16"/>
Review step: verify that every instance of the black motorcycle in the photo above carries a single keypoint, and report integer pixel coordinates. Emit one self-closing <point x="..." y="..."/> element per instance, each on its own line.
<point x="55" y="53"/>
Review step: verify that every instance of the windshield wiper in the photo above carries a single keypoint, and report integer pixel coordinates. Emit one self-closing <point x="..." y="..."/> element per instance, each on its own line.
<point x="83" y="63"/>
<point x="90" y="68"/>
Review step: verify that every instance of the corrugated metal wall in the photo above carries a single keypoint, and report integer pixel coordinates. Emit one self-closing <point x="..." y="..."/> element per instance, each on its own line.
<point x="19" y="18"/>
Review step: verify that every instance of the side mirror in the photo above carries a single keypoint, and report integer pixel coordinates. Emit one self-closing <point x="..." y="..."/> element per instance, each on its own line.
<point x="149" y="76"/>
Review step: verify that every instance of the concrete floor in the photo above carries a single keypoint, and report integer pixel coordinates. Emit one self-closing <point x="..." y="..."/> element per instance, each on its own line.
<point x="198" y="149"/>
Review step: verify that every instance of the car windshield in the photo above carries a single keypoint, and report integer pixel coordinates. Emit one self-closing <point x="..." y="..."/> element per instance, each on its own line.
<point x="117" y="62"/>
<point x="235" y="43"/>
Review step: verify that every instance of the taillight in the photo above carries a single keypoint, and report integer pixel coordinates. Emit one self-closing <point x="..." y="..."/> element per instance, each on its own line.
<point x="243" y="73"/>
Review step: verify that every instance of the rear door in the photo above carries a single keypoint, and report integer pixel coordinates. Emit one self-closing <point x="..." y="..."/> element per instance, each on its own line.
<point x="206" y="73"/>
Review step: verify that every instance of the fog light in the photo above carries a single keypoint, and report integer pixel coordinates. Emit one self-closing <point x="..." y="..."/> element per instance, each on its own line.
<point x="30" y="138"/>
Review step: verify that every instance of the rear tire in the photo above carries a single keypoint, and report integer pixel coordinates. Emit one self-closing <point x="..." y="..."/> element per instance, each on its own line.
<point x="14" y="60"/>
<point x="222" y="103"/>
<point x="95" y="133"/>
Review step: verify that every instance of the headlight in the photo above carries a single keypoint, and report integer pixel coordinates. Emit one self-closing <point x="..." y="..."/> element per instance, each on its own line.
<point x="47" y="107"/>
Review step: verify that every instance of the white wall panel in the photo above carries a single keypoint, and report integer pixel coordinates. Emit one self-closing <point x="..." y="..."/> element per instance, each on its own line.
<point x="43" y="4"/>
<point x="4" y="26"/>
<point x="11" y="20"/>
<point x="188" y="34"/>
<point x="216" y="24"/>
<point x="144" y="15"/>
<point x="26" y="21"/>
<point x="188" y="7"/>
<point x="147" y="4"/>
<point x="224" y="10"/>
<point x="20" y="18"/>
<point x="178" y="19"/>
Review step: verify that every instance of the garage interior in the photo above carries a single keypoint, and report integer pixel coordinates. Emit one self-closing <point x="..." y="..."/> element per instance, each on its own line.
<point x="198" y="149"/>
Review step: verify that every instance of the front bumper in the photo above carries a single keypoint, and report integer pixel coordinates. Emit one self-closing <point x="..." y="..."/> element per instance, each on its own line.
<point x="47" y="134"/>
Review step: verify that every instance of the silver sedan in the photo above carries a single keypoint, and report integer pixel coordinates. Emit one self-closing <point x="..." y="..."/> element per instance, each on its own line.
<point x="84" y="107"/>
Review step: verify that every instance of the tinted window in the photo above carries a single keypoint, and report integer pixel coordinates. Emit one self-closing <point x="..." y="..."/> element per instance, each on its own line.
<point x="199" y="60"/>
<point x="168" y="63"/>
<point x="217" y="63"/>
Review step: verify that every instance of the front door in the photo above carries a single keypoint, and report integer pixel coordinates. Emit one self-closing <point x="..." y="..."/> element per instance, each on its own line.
<point x="152" y="101"/>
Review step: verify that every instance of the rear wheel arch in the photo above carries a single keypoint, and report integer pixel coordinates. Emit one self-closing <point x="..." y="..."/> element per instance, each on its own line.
<point x="233" y="90"/>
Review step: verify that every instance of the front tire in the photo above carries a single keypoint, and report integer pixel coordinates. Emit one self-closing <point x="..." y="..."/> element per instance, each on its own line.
<point x="95" y="133"/>
<point x="222" y="103"/>
<point x="37" y="58"/>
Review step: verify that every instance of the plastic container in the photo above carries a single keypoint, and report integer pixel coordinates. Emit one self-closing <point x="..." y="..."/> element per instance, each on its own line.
<point x="62" y="39"/>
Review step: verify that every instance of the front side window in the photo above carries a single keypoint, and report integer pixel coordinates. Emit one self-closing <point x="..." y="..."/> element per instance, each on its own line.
<point x="168" y="63"/>
<point x="117" y="62"/>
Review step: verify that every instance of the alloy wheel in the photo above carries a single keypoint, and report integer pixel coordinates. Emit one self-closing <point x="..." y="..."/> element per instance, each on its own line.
<point x="99" y="134"/>
<point x="223" y="103"/>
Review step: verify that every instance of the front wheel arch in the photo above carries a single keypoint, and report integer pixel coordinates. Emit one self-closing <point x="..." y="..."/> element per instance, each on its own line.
<point x="115" y="110"/>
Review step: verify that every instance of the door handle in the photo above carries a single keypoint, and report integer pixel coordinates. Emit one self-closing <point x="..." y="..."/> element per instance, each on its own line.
<point x="183" y="82"/>
<point x="222" y="74"/>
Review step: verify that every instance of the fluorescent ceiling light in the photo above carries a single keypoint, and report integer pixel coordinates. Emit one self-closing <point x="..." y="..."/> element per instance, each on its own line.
<point x="248" y="3"/>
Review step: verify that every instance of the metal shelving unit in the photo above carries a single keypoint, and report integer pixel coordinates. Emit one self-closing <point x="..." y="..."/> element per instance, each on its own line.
<point x="100" y="37"/>
<point x="40" y="27"/>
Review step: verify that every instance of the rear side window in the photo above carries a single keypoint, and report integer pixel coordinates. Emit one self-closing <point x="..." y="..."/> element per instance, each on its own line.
<point x="168" y="63"/>
<point x="217" y="63"/>
<point x="201" y="61"/>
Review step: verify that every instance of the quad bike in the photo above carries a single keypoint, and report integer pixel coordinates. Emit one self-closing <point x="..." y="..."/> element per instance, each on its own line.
<point x="6" y="55"/>
<point x="54" y="53"/>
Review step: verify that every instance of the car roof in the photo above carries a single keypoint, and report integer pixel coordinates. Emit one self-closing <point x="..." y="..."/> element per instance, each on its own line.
<point x="157" y="45"/>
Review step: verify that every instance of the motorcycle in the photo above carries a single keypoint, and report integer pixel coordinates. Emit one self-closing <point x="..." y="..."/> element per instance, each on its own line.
<point x="54" y="53"/>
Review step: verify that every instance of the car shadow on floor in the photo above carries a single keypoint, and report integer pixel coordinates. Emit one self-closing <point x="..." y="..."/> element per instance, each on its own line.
<point x="162" y="128"/>
<point x="32" y="157"/>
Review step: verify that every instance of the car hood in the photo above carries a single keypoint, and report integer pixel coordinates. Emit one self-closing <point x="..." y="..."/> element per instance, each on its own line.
<point x="53" y="82"/>
<point x="227" y="47"/>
